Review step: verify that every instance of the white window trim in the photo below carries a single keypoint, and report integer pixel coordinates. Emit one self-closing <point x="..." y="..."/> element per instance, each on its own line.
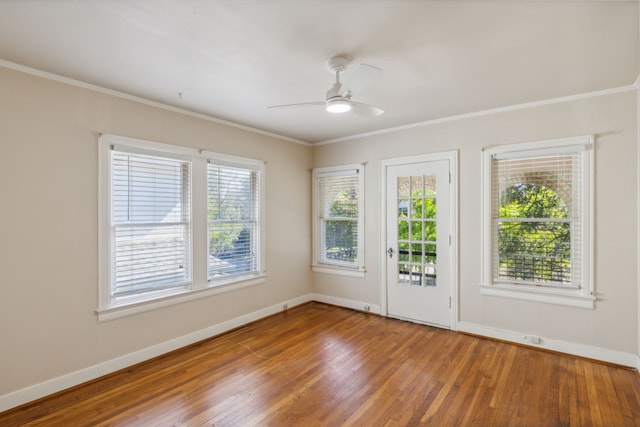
<point x="108" y="309"/>
<point x="317" y="265"/>
<point x="584" y="297"/>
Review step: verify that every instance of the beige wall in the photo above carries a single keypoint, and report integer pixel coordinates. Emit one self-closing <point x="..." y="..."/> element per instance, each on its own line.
<point x="612" y="119"/>
<point x="49" y="227"/>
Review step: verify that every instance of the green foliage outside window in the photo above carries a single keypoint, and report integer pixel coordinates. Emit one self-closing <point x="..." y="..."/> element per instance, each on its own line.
<point x="530" y="249"/>
<point x="419" y="231"/>
<point x="416" y="238"/>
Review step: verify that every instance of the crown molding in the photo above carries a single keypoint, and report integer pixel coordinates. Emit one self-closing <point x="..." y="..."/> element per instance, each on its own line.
<point x="141" y="100"/>
<point x="488" y="112"/>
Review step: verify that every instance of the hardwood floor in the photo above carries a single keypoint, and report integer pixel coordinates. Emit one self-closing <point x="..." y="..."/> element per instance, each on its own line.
<point x="323" y="365"/>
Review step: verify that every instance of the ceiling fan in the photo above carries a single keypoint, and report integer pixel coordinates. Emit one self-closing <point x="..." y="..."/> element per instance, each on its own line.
<point x="339" y="96"/>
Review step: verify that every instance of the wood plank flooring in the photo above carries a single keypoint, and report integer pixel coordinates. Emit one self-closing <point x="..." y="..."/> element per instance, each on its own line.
<point x="322" y="365"/>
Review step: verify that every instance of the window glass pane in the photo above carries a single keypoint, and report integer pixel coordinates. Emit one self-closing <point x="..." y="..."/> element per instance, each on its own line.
<point x="404" y="273"/>
<point x="539" y="187"/>
<point x="339" y="196"/>
<point x="341" y="241"/>
<point x="430" y="249"/>
<point x="536" y="219"/>
<point x="416" y="253"/>
<point x="429" y="185"/>
<point x="232" y="211"/>
<point x="403" y="186"/>
<point x="403" y="252"/>
<point x="430" y="275"/>
<point x="403" y="231"/>
<point x="403" y="208"/>
<point x="430" y="231"/>
<point x="338" y="205"/>
<point x="429" y="207"/>
<point x="416" y="231"/>
<point x="416" y="186"/>
<point x="417" y="236"/>
<point x="416" y="275"/>
<point x="535" y="251"/>
<point x="150" y="223"/>
<point x="150" y="258"/>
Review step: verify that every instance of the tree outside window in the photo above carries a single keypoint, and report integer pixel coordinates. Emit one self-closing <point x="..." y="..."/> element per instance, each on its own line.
<point x="534" y="235"/>
<point x="337" y="231"/>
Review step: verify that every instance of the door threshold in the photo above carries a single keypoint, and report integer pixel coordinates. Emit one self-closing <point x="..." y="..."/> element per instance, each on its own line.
<point x="420" y="322"/>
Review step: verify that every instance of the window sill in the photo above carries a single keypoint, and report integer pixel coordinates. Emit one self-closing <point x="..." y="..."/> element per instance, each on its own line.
<point x="567" y="298"/>
<point x="129" y="308"/>
<point x="341" y="271"/>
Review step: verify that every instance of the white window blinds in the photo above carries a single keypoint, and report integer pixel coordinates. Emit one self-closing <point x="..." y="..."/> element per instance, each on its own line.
<point x="338" y="213"/>
<point x="233" y="221"/>
<point x="150" y="223"/>
<point x="536" y="210"/>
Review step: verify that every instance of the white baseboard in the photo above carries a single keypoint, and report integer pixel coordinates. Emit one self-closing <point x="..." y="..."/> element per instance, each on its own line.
<point x="31" y="393"/>
<point x="582" y="350"/>
<point x="348" y="303"/>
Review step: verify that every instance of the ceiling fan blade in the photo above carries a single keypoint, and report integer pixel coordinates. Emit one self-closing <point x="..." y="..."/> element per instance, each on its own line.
<point x="365" y="109"/>
<point x="303" y="104"/>
<point x="360" y="78"/>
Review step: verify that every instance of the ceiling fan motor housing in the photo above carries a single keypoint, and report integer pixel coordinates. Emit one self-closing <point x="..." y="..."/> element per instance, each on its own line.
<point x="337" y="64"/>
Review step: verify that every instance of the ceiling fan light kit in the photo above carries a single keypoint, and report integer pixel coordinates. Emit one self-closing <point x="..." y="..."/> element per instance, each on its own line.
<point x="338" y="98"/>
<point x="339" y="105"/>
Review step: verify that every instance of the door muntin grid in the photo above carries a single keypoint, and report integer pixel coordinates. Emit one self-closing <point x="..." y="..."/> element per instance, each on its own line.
<point x="416" y="232"/>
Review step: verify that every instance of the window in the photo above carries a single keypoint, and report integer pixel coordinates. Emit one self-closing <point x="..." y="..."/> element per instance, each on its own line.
<point x="175" y="224"/>
<point x="537" y="226"/>
<point x="232" y="201"/>
<point x="150" y="223"/>
<point x="338" y="225"/>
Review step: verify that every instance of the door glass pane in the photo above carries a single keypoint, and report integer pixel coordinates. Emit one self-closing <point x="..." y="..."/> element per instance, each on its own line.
<point x="403" y="252"/>
<point x="430" y="250"/>
<point x="430" y="231"/>
<point x="416" y="275"/>
<point x="404" y="273"/>
<point x="429" y="208"/>
<point x="429" y="275"/>
<point x="403" y="208"/>
<point x="403" y="186"/>
<point x="416" y="253"/>
<point x="416" y="186"/>
<point x="417" y="230"/>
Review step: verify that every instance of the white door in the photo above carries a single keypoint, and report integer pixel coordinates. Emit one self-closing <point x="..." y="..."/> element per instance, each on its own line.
<point x="418" y="242"/>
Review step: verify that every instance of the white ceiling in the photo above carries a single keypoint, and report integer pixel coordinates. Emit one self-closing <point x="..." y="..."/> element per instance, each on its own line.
<point x="232" y="59"/>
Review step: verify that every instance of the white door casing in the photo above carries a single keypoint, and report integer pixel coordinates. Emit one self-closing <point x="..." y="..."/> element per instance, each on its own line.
<point x="419" y="239"/>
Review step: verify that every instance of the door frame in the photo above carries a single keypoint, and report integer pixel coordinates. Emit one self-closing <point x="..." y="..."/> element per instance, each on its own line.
<point x="452" y="156"/>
